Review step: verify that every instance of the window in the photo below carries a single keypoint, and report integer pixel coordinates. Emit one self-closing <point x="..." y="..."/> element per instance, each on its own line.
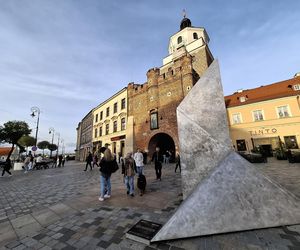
<point x="179" y="40"/>
<point x="258" y="115"/>
<point x="96" y="118"/>
<point x="96" y="132"/>
<point x="123" y="103"/>
<point x="123" y="124"/>
<point x="115" y="126"/>
<point x="107" y="129"/>
<point x="241" y="145"/>
<point x="283" y="111"/>
<point x="290" y="142"/>
<point x="101" y="115"/>
<point x="195" y="35"/>
<point x="153" y="121"/>
<point x="115" y="107"/>
<point x="236" y="118"/>
<point x="100" y="131"/>
<point x="107" y="111"/>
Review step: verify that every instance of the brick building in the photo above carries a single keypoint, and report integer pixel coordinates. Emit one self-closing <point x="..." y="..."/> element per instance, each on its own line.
<point x="152" y="106"/>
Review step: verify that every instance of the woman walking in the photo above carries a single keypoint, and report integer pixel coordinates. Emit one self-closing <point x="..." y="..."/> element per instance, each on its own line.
<point x="129" y="174"/>
<point x="106" y="165"/>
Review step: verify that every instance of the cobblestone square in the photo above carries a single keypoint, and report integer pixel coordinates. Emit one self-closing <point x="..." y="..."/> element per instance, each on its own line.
<point x="59" y="209"/>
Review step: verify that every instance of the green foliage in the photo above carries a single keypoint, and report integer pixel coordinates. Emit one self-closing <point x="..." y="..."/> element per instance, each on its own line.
<point x="12" y="131"/>
<point x="27" y="141"/>
<point x="43" y="145"/>
<point x="52" y="147"/>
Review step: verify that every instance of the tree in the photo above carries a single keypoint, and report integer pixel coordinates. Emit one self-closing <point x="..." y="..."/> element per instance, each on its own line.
<point x="12" y="131"/>
<point x="43" y="145"/>
<point x="52" y="147"/>
<point x="27" y="141"/>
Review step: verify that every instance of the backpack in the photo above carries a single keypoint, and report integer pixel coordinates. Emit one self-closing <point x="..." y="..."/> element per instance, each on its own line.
<point x="114" y="166"/>
<point x="141" y="182"/>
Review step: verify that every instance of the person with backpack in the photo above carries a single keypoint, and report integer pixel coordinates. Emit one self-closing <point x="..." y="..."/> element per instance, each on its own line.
<point x="108" y="165"/>
<point x="129" y="172"/>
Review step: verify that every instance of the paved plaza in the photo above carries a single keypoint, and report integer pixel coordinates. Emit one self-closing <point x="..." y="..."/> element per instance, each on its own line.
<point x="59" y="209"/>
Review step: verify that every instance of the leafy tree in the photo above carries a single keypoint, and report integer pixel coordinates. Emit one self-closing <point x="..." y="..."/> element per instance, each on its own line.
<point x="43" y="145"/>
<point x="26" y="141"/>
<point x="52" y="147"/>
<point x="12" y="131"/>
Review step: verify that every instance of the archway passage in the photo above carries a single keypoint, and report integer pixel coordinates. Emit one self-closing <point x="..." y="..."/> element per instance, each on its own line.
<point x="164" y="142"/>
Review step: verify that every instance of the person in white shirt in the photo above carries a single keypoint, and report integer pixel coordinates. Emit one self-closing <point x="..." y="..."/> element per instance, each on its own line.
<point x="139" y="161"/>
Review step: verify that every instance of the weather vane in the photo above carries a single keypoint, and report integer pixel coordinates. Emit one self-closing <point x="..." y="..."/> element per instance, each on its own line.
<point x="184" y="13"/>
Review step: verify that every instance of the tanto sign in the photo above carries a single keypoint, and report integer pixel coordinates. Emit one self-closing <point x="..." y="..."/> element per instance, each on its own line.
<point x="265" y="131"/>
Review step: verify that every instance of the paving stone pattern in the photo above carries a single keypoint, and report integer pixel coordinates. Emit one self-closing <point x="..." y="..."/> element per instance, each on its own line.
<point x="59" y="209"/>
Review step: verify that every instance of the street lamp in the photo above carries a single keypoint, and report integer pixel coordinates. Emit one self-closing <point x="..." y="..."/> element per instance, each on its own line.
<point x="51" y="131"/>
<point x="58" y="134"/>
<point x="36" y="110"/>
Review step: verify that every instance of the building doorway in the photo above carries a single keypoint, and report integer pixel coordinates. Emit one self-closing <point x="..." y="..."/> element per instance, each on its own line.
<point x="164" y="142"/>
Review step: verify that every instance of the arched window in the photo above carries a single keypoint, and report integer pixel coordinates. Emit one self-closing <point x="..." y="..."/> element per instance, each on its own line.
<point x="179" y="39"/>
<point x="195" y="35"/>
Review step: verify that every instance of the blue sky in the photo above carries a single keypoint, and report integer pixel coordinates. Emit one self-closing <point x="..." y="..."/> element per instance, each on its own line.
<point x="67" y="56"/>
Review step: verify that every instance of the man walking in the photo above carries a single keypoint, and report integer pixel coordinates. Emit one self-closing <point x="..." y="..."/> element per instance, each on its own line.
<point x="139" y="161"/>
<point x="89" y="160"/>
<point x="157" y="158"/>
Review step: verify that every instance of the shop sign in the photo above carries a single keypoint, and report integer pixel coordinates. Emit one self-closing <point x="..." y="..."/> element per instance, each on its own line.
<point x="265" y="131"/>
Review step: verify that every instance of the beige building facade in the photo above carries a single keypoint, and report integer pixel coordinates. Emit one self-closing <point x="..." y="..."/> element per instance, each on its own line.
<point x="268" y="116"/>
<point x="109" y="124"/>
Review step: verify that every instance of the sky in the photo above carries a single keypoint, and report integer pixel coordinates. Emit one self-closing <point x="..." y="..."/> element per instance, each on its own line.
<point x="67" y="56"/>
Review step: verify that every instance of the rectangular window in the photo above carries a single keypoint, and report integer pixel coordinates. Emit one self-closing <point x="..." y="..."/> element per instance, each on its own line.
<point x="115" y="107"/>
<point x="283" y="111"/>
<point x="123" y="124"/>
<point x="236" y="118"/>
<point x="96" y="132"/>
<point x="123" y="103"/>
<point x="115" y="126"/>
<point x="154" y="121"/>
<point x="107" y="111"/>
<point x="258" y="115"/>
<point x="101" y="115"/>
<point x="107" y="129"/>
<point x="241" y="145"/>
<point x="96" y="118"/>
<point x="291" y="142"/>
<point x="100" y="131"/>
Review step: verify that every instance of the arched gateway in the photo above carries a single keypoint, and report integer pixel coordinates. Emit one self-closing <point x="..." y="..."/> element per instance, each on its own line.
<point x="164" y="142"/>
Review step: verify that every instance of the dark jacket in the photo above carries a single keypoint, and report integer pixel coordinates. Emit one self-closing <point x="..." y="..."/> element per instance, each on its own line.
<point x="89" y="158"/>
<point x="105" y="167"/>
<point x="157" y="157"/>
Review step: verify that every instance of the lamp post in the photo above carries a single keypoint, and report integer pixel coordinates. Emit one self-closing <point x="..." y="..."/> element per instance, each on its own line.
<point x="36" y="110"/>
<point x="51" y="131"/>
<point x="63" y="146"/>
<point x="58" y="134"/>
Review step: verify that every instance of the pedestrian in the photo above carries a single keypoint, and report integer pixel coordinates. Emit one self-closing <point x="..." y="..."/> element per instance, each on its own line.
<point x="30" y="165"/>
<point x="158" y="159"/>
<point x="89" y="160"/>
<point x="7" y="167"/>
<point x="139" y="161"/>
<point x="63" y="161"/>
<point x="129" y="173"/>
<point x="168" y="155"/>
<point x="60" y="158"/>
<point x="178" y="162"/>
<point x="95" y="160"/>
<point x="26" y="163"/>
<point x="107" y="163"/>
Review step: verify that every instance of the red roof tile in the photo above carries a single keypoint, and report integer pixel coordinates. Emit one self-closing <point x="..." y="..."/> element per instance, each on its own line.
<point x="4" y="151"/>
<point x="263" y="93"/>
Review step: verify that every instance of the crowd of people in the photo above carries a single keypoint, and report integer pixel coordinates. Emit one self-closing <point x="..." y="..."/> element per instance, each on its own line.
<point x="132" y="165"/>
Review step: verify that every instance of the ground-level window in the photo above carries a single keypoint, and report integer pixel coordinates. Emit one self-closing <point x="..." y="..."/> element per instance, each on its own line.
<point x="290" y="142"/>
<point x="283" y="111"/>
<point x="236" y="118"/>
<point x="241" y="145"/>
<point x="258" y="115"/>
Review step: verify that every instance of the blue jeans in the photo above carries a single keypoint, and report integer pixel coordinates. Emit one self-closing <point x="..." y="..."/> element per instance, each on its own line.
<point x="129" y="183"/>
<point x="140" y="169"/>
<point x="105" y="186"/>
